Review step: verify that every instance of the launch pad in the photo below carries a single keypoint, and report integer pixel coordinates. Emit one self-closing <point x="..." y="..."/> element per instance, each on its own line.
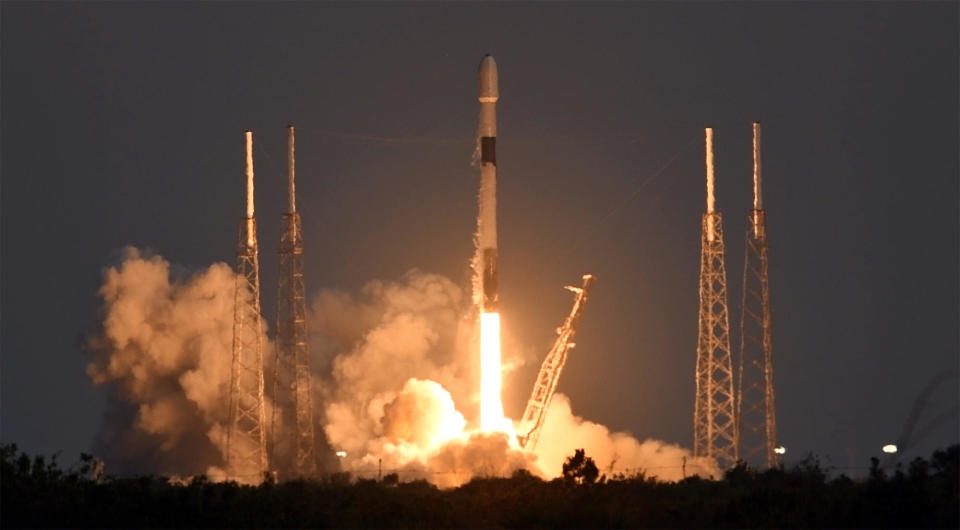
<point x="723" y="406"/>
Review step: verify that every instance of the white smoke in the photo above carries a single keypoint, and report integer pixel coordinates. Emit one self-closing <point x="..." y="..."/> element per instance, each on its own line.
<point x="403" y="380"/>
<point x="404" y="389"/>
<point x="390" y="333"/>
<point x="164" y="350"/>
<point x="399" y="391"/>
<point x="615" y="453"/>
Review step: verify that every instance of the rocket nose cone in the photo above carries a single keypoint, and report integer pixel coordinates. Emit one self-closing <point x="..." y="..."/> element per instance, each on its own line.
<point x="487" y="76"/>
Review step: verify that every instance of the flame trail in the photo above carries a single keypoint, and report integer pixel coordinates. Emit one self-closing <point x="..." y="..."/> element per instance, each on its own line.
<point x="398" y="348"/>
<point x="491" y="406"/>
<point x="402" y="359"/>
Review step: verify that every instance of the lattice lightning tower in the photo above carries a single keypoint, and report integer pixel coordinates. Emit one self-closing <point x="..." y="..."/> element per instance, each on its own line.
<point x="546" y="384"/>
<point x="246" y="436"/>
<point x="756" y="416"/>
<point x="714" y="423"/>
<point x="293" y="433"/>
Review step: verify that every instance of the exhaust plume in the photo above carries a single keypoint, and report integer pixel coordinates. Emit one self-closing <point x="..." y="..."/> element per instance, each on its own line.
<point x="401" y="366"/>
<point x="614" y="452"/>
<point x="391" y="333"/>
<point x="401" y="384"/>
<point x="164" y="352"/>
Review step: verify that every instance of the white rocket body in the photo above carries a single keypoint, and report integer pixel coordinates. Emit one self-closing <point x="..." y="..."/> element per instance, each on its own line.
<point x="487" y="223"/>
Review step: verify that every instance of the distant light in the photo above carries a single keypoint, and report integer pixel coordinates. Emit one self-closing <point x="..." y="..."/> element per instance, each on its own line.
<point x="890" y="449"/>
<point x="341" y="454"/>
<point x="780" y="450"/>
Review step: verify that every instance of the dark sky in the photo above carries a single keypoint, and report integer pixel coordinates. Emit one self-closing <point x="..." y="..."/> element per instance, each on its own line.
<point x="122" y="125"/>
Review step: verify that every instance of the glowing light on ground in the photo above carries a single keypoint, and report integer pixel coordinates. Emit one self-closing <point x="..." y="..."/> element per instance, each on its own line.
<point x="491" y="407"/>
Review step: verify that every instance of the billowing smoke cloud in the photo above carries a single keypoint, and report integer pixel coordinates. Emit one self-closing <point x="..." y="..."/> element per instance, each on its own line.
<point x="392" y="332"/>
<point x="164" y="350"/>
<point x="404" y="381"/>
<point x="404" y="388"/>
<point x="396" y="382"/>
<point x="614" y="452"/>
<point x="422" y="414"/>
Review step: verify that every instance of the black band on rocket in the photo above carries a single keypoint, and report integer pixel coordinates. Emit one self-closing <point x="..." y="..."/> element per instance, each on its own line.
<point x="488" y="150"/>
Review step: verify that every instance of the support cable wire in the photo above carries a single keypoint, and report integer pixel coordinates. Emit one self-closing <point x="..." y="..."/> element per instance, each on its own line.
<point x="595" y="227"/>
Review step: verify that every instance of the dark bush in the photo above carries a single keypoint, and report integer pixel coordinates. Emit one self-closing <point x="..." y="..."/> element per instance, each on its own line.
<point x="35" y="492"/>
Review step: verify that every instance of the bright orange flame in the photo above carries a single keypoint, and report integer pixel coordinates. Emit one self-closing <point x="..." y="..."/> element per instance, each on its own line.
<point x="491" y="407"/>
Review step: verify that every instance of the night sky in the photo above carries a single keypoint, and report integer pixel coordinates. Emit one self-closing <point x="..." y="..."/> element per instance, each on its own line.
<point x="122" y="124"/>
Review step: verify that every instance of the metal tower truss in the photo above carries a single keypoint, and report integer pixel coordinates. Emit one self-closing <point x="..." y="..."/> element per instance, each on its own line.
<point x="714" y="424"/>
<point x="293" y="434"/>
<point x="246" y="437"/>
<point x="535" y="413"/>
<point x="756" y="416"/>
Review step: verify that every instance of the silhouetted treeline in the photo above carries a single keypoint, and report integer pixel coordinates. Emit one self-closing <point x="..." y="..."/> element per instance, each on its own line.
<point x="35" y="492"/>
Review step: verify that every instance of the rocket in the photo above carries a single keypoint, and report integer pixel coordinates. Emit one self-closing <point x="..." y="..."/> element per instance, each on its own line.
<point x="487" y="221"/>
